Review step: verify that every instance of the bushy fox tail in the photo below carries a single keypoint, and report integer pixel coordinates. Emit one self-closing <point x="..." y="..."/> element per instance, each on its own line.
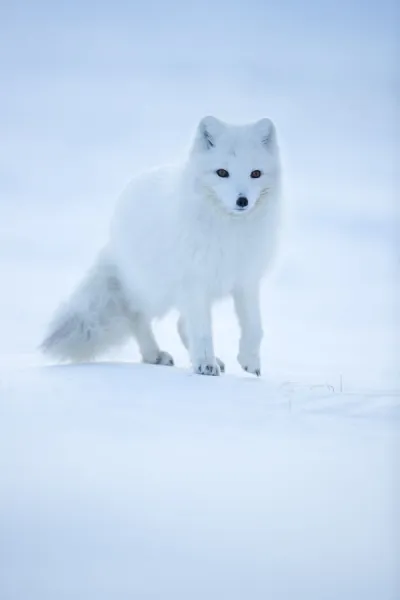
<point x="93" y="320"/>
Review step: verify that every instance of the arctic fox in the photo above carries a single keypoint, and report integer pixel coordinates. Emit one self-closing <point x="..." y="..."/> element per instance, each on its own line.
<point x="181" y="238"/>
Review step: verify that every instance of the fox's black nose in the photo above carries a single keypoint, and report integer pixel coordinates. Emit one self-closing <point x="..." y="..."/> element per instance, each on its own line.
<point x="242" y="202"/>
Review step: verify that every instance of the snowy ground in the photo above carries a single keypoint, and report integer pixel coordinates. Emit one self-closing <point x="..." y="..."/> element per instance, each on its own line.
<point x="122" y="482"/>
<point x="119" y="480"/>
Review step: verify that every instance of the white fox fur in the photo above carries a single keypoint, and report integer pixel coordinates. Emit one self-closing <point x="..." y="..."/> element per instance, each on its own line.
<point x="179" y="240"/>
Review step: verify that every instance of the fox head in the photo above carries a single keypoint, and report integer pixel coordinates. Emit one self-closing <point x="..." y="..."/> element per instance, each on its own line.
<point x="237" y="165"/>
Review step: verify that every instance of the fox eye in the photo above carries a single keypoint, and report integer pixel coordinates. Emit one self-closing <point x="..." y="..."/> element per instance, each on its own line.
<point x="255" y="174"/>
<point x="222" y="173"/>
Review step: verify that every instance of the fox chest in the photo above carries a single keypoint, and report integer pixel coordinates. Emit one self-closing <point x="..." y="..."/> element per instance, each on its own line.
<point x="221" y="262"/>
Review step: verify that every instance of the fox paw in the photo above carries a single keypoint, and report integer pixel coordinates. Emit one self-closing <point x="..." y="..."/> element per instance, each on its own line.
<point x="250" y="364"/>
<point x="161" y="358"/>
<point x="207" y="368"/>
<point x="221" y="364"/>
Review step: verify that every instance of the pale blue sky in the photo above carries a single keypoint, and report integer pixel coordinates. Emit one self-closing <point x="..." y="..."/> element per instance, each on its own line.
<point x="100" y="35"/>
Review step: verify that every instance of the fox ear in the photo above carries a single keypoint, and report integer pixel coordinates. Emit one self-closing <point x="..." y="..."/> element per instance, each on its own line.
<point x="208" y="131"/>
<point x="266" y="131"/>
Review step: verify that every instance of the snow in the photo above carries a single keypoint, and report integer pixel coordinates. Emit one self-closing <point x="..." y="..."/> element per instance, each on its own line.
<point x="122" y="480"/>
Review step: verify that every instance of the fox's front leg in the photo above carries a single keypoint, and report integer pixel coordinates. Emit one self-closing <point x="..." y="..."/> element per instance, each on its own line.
<point x="196" y="313"/>
<point x="247" y="305"/>
<point x="184" y="339"/>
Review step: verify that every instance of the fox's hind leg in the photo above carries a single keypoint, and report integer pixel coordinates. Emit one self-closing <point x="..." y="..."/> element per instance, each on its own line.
<point x="184" y="339"/>
<point x="149" y="349"/>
